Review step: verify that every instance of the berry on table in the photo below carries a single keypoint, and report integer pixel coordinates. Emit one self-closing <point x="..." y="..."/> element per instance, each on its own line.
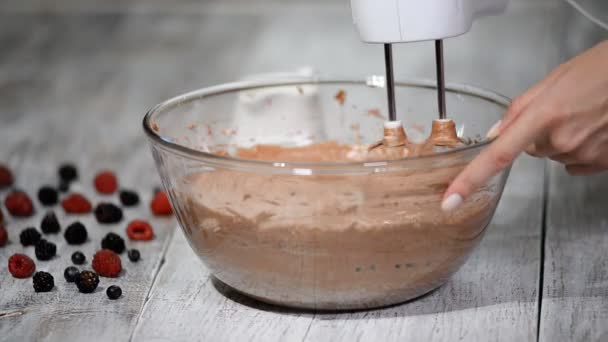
<point x="113" y="242"/>
<point x="129" y="198"/>
<point x="3" y="236"/>
<point x="63" y="186"/>
<point x="107" y="263"/>
<point x="29" y="237"/>
<point x="19" y="204"/>
<point x="70" y="274"/>
<point x="76" y="234"/>
<point x="160" y="205"/>
<point x="78" y="258"/>
<point x="50" y="224"/>
<point x="68" y="172"/>
<point x="87" y="281"/>
<point x="114" y="292"/>
<point x="45" y="250"/>
<point x="43" y="282"/>
<point x="21" y="266"/>
<point x="108" y="213"/>
<point x="6" y="177"/>
<point x="140" y="230"/>
<point x="76" y="204"/>
<point x="48" y="196"/>
<point x="134" y="255"/>
<point x="106" y="182"/>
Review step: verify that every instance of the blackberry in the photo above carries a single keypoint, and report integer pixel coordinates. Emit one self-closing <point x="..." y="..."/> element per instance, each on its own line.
<point x="129" y="198"/>
<point x="76" y="234"/>
<point x="113" y="242"/>
<point x="108" y="213"/>
<point x="43" y="282"/>
<point x="29" y="236"/>
<point x="134" y="255"/>
<point x="70" y="274"/>
<point x="45" y="250"/>
<point x="114" y="292"/>
<point x="50" y="224"/>
<point x="63" y="186"/>
<point x="78" y="258"/>
<point x="87" y="281"/>
<point x="68" y="173"/>
<point x="48" y="196"/>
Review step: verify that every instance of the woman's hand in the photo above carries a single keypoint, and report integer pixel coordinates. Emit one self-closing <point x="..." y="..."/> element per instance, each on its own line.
<point x="564" y="118"/>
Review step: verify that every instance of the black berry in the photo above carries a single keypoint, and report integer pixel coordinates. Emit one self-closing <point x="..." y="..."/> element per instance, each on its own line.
<point x="134" y="255"/>
<point x="48" y="196"/>
<point x="78" y="258"/>
<point x="129" y="198"/>
<point x="114" y="292"/>
<point x="108" y="213"/>
<point x="113" y="242"/>
<point x="68" y="173"/>
<point x="50" y="224"/>
<point x="63" y="186"/>
<point x="76" y="234"/>
<point x="43" y="282"/>
<point x="87" y="281"/>
<point x="45" y="250"/>
<point x="70" y="274"/>
<point x="29" y="236"/>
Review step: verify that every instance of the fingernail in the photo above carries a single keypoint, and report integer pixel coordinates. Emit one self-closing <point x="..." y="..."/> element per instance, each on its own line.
<point x="493" y="132"/>
<point x="451" y="202"/>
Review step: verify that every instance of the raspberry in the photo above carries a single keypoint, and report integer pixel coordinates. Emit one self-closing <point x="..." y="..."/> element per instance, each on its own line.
<point x="43" y="282"/>
<point x="105" y="182"/>
<point x="6" y="177"/>
<point x="113" y="242"/>
<point x="76" y="234"/>
<point x="48" y="196"/>
<point x="29" y="237"/>
<point x="108" y="213"/>
<point x="129" y="198"/>
<point x="160" y="204"/>
<point x="134" y="255"/>
<point x="45" y="250"/>
<point x="107" y="263"/>
<point x="3" y="236"/>
<point x="18" y="203"/>
<point x="114" y="292"/>
<point x="68" y="173"/>
<point x="76" y="204"/>
<point x="78" y="258"/>
<point x="21" y="266"/>
<point x="140" y="231"/>
<point x="50" y="224"/>
<point x="87" y="281"/>
<point x="70" y="274"/>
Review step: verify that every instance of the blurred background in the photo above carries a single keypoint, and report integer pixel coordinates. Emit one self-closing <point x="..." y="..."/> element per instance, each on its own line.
<point x="76" y="77"/>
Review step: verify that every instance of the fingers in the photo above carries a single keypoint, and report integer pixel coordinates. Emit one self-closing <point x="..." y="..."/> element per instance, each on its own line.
<point x="495" y="158"/>
<point x="583" y="170"/>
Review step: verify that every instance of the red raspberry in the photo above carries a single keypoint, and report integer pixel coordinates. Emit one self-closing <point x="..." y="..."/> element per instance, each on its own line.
<point x="107" y="263"/>
<point x="160" y="204"/>
<point x="105" y="182"/>
<point x="140" y="231"/>
<point x="3" y="236"/>
<point x="21" y="266"/>
<point x="19" y="203"/>
<point x="76" y="204"/>
<point x="6" y="177"/>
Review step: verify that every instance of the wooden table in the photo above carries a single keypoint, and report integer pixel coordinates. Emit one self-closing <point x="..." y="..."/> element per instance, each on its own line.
<point x="76" y="78"/>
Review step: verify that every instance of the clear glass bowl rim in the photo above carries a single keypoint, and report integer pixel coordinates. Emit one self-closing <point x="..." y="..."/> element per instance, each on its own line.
<point x="226" y="162"/>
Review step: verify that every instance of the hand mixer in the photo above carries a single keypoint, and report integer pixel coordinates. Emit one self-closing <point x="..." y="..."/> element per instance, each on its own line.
<point x="400" y="21"/>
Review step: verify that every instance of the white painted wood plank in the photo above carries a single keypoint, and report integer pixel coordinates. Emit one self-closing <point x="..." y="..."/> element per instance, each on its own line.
<point x="575" y="293"/>
<point x="492" y="298"/>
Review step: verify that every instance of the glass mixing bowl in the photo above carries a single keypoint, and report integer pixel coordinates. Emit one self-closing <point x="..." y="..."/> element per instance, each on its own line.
<point x="322" y="235"/>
